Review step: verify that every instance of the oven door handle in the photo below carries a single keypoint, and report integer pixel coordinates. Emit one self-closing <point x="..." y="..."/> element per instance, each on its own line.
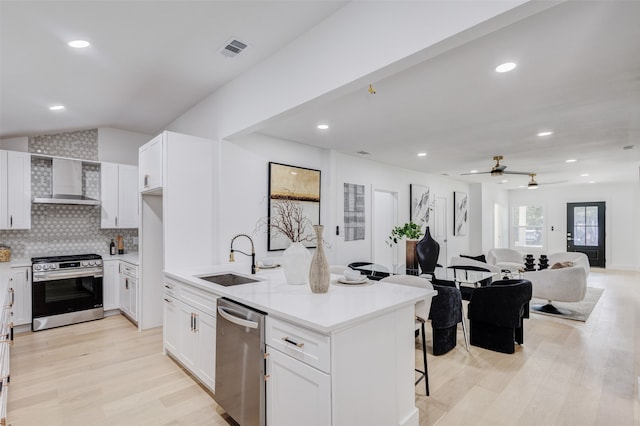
<point x="56" y="275"/>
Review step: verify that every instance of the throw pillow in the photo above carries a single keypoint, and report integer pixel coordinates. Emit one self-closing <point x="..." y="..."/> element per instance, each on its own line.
<point x="559" y="265"/>
<point x="480" y="258"/>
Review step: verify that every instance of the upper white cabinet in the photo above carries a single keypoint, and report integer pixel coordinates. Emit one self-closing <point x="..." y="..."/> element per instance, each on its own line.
<point x="15" y="190"/>
<point x="150" y="161"/>
<point x="119" y="196"/>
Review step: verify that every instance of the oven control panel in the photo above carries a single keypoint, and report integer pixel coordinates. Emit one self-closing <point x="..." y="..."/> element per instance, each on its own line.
<point x="67" y="265"/>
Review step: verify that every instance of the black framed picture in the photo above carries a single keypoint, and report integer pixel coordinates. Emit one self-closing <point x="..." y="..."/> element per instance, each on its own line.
<point x="294" y="205"/>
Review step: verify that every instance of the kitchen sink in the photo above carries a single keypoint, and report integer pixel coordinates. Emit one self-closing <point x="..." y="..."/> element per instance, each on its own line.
<point x="228" y="279"/>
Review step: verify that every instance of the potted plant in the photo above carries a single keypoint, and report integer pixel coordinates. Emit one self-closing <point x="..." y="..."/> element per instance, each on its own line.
<point x="412" y="232"/>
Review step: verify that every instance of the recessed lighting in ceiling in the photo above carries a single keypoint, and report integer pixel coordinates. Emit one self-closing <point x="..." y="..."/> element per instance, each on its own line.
<point x="56" y="107"/>
<point x="546" y="133"/>
<point x="79" y="44"/>
<point x="584" y="174"/>
<point x="592" y="181"/>
<point x="322" y="126"/>
<point x="473" y="171"/>
<point x="506" y="67"/>
<point x="570" y="160"/>
<point x="504" y="181"/>
<point x="422" y="154"/>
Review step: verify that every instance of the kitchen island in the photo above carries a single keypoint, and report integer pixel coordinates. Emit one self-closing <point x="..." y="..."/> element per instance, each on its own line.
<point x="353" y="357"/>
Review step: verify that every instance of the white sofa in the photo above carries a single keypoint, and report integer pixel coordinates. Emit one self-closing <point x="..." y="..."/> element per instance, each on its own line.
<point x="567" y="284"/>
<point x="506" y="258"/>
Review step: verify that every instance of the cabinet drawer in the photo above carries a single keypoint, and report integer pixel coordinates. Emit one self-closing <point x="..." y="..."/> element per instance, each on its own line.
<point x="129" y="269"/>
<point x="306" y="345"/>
<point x="198" y="299"/>
<point x="170" y="288"/>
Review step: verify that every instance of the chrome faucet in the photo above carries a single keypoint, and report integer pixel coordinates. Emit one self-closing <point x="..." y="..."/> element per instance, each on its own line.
<point x="253" y="252"/>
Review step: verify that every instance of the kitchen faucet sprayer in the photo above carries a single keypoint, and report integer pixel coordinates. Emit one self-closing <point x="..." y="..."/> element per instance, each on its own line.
<point x="253" y="252"/>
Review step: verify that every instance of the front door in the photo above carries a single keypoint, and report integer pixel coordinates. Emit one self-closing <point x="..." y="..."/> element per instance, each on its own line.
<point x="585" y="230"/>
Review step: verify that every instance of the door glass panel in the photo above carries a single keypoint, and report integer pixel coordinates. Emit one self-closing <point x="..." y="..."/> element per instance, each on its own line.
<point x="578" y="236"/>
<point x="578" y="215"/>
<point x="591" y="236"/>
<point x="592" y="216"/>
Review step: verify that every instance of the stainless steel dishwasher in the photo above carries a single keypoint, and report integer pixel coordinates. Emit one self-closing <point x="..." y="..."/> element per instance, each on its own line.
<point x="240" y="363"/>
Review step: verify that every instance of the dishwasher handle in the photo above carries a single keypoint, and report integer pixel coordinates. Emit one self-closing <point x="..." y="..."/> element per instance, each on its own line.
<point x="231" y="318"/>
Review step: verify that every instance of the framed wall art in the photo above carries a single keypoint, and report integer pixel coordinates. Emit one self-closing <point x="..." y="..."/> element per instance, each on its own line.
<point x="460" y="213"/>
<point x="420" y="205"/>
<point x="294" y="205"/>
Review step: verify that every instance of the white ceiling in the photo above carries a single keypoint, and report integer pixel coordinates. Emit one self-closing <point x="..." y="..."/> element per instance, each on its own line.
<point x="578" y="74"/>
<point x="149" y="61"/>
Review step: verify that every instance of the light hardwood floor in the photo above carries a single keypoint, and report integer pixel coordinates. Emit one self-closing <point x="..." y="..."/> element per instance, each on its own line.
<point x="567" y="373"/>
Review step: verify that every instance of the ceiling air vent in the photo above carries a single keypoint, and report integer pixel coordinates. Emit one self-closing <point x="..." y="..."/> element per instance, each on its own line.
<point x="233" y="48"/>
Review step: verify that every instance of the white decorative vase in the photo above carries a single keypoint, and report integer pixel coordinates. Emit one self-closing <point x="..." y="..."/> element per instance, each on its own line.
<point x="319" y="276"/>
<point x="296" y="260"/>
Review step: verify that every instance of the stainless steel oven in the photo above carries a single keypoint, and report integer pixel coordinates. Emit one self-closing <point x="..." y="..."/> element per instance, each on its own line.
<point x="66" y="290"/>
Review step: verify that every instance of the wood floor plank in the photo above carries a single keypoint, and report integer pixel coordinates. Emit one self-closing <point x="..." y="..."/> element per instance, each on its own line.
<point x="567" y="373"/>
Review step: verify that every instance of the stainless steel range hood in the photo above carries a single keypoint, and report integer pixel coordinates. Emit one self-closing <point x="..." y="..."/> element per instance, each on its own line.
<point x="66" y="182"/>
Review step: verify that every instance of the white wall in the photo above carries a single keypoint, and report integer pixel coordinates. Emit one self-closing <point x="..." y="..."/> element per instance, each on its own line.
<point x="120" y="146"/>
<point x="243" y="188"/>
<point x="622" y="250"/>
<point x="374" y="175"/>
<point x="491" y="194"/>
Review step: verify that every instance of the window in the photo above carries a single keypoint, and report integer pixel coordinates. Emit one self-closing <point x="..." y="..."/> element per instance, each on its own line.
<point x="527" y="226"/>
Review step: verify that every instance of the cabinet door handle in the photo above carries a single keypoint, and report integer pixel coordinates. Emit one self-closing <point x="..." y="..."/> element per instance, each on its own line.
<point x="170" y="287"/>
<point x="146" y="181"/>
<point x="11" y="221"/>
<point x="191" y="321"/>
<point x="13" y="297"/>
<point x="126" y="283"/>
<point x="195" y="323"/>
<point x="291" y="342"/>
<point x="168" y="300"/>
<point x="116" y="220"/>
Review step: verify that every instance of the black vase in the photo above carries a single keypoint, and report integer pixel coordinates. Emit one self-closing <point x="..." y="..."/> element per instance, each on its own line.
<point x="427" y="251"/>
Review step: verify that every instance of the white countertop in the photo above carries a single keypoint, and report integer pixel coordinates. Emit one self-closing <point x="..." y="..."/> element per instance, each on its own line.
<point x="340" y="307"/>
<point x="131" y="257"/>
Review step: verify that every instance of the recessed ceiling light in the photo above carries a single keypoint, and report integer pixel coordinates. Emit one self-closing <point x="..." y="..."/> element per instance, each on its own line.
<point x="506" y="67"/>
<point x="79" y="44"/>
<point x="547" y="133"/>
<point x="473" y="171"/>
<point x="584" y="174"/>
<point x="504" y="181"/>
<point x="592" y="181"/>
<point x="422" y="154"/>
<point x="570" y="160"/>
<point x="323" y="126"/>
<point x="56" y="107"/>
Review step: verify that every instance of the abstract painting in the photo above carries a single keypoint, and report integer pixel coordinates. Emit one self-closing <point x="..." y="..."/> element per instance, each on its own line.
<point x="295" y="193"/>
<point x="420" y="205"/>
<point x="461" y="213"/>
<point x="354" y="224"/>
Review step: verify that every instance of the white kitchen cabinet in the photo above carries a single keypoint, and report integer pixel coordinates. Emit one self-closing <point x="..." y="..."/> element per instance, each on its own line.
<point x="20" y="286"/>
<point x="118" y="196"/>
<point x="190" y="329"/>
<point x="171" y="324"/>
<point x="111" y="284"/>
<point x="15" y="190"/>
<point x="297" y="394"/>
<point x="129" y="290"/>
<point x="150" y="162"/>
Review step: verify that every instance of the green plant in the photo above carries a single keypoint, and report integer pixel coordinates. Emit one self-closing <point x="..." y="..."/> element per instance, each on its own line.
<point x="409" y="230"/>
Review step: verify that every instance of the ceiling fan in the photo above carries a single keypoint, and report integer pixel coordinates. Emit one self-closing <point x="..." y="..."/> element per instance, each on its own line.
<point x="498" y="169"/>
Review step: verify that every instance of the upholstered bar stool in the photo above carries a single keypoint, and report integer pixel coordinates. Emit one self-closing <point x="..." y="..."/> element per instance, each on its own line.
<point x="421" y="314"/>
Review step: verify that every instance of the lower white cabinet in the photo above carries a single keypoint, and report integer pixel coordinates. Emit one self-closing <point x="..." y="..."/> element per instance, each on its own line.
<point x="20" y="287"/>
<point x="110" y="284"/>
<point x="190" y="329"/>
<point x="129" y="290"/>
<point x="297" y="394"/>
